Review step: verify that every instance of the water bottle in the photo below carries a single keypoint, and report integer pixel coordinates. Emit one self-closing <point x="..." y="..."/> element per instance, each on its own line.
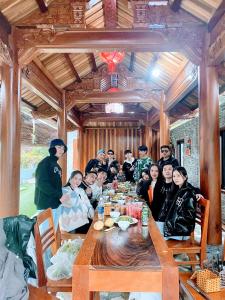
<point x="144" y="215"/>
<point x="101" y="209"/>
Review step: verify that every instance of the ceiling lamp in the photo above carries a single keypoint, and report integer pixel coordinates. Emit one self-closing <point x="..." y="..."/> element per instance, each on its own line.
<point x="117" y="108"/>
<point x="112" y="59"/>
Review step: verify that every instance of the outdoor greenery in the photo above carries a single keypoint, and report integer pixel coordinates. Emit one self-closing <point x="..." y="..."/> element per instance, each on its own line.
<point x="30" y="156"/>
<point x="27" y="206"/>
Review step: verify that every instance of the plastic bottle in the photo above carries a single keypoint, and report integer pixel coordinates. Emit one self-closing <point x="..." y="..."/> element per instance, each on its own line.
<point x="101" y="209"/>
<point x="144" y="215"/>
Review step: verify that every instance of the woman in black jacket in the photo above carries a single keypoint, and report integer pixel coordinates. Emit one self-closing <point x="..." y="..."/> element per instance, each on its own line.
<point x="180" y="220"/>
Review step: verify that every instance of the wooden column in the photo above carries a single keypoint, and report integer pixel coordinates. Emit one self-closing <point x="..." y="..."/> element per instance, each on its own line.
<point x="164" y="123"/>
<point x="10" y="140"/>
<point x="210" y="181"/>
<point x="62" y="134"/>
<point x="78" y="151"/>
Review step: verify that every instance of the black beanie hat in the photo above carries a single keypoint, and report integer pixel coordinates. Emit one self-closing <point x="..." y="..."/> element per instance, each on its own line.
<point x="57" y="142"/>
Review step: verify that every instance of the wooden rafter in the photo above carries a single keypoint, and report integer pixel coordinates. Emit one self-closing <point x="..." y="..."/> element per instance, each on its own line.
<point x="36" y="81"/>
<point x="217" y="16"/>
<point x="71" y="65"/>
<point x="47" y="73"/>
<point x="42" y="6"/>
<point x="93" y="62"/>
<point x="175" y="5"/>
<point x="186" y="81"/>
<point x="110" y="14"/>
<point x="132" y="61"/>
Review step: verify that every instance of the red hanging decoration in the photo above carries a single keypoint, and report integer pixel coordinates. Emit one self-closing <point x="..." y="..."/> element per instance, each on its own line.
<point x="112" y="59"/>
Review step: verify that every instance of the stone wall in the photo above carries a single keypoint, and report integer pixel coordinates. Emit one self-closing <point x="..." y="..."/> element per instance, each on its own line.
<point x="190" y="130"/>
<point x="186" y="131"/>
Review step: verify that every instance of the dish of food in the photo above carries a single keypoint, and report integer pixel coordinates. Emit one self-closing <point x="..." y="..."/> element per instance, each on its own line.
<point x="127" y="218"/>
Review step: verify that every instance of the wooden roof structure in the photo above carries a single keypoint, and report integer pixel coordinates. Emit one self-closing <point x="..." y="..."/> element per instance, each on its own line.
<point x="73" y="69"/>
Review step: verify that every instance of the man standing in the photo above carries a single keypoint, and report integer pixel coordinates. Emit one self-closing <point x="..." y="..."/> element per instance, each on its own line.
<point x="48" y="183"/>
<point x="144" y="162"/>
<point x="167" y="157"/>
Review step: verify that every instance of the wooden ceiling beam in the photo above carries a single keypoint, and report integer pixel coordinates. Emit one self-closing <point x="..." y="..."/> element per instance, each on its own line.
<point x="71" y="65"/>
<point x="132" y="62"/>
<point x="42" y="6"/>
<point x="122" y="97"/>
<point x="110" y="13"/>
<point x="93" y="62"/>
<point x="186" y="81"/>
<point x="175" y="5"/>
<point x="74" y="120"/>
<point x="113" y="118"/>
<point x="139" y="116"/>
<point x="5" y="29"/>
<point x="218" y="14"/>
<point x="37" y="82"/>
<point x="98" y="39"/>
<point x="47" y="73"/>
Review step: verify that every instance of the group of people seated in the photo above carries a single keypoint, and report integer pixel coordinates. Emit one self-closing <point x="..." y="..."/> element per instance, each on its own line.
<point x="163" y="185"/>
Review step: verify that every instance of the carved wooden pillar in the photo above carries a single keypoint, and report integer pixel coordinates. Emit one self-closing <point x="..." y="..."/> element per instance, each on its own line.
<point x="10" y="139"/>
<point x="164" y="123"/>
<point x="62" y="134"/>
<point x="210" y="181"/>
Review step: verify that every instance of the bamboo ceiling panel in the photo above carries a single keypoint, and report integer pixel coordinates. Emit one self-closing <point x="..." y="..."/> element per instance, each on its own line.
<point x="31" y="97"/>
<point x="202" y="9"/>
<point x="15" y="10"/>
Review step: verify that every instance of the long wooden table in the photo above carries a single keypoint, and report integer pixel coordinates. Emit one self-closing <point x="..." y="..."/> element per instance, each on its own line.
<point x="123" y="261"/>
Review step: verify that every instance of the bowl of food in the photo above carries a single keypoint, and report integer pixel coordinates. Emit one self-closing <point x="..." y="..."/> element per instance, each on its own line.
<point x="114" y="214"/>
<point x="120" y="201"/>
<point x="123" y="225"/>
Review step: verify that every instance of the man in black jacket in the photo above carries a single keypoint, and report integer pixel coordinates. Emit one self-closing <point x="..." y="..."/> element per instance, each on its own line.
<point x="167" y="157"/>
<point x="48" y="183"/>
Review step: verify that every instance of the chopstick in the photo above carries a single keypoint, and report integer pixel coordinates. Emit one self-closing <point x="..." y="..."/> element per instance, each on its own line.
<point x="108" y="229"/>
<point x="198" y="289"/>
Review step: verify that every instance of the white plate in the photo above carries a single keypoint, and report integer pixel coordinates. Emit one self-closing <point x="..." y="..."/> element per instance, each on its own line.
<point x="134" y="221"/>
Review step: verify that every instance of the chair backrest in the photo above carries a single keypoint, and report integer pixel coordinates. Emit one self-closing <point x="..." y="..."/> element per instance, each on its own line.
<point x="45" y="238"/>
<point x="202" y="218"/>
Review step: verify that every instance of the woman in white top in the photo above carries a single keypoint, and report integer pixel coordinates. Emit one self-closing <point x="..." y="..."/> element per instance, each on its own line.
<point x="77" y="212"/>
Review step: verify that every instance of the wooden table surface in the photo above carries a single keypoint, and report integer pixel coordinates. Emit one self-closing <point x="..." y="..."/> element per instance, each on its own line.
<point x="134" y="260"/>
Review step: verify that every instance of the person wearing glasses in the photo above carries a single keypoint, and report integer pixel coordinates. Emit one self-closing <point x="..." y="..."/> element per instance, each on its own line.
<point x="48" y="183"/>
<point x="167" y="157"/>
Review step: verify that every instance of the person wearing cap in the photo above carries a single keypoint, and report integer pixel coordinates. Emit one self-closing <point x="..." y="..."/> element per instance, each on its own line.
<point x="142" y="163"/>
<point x="97" y="163"/>
<point x="48" y="183"/>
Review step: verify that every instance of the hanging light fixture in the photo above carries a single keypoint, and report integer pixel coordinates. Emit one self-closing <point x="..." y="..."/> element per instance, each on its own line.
<point x="112" y="59"/>
<point x="117" y="108"/>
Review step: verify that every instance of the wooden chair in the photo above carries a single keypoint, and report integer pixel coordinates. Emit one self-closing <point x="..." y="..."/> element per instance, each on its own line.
<point x="192" y="247"/>
<point x="48" y="239"/>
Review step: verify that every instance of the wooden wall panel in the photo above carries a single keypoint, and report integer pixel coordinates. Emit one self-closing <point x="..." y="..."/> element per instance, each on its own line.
<point x="117" y="139"/>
